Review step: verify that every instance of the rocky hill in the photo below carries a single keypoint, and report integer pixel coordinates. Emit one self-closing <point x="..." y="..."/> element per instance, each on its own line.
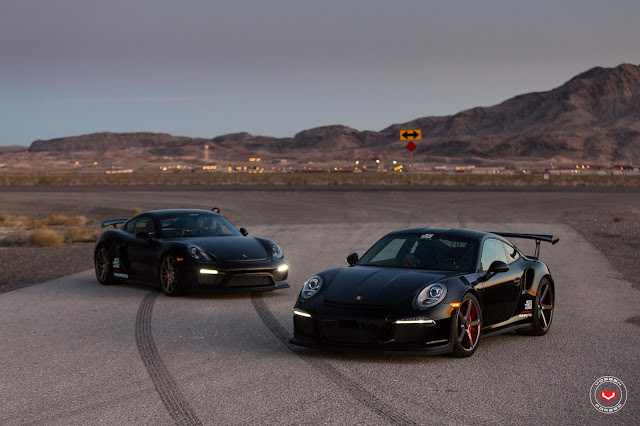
<point x="594" y="116"/>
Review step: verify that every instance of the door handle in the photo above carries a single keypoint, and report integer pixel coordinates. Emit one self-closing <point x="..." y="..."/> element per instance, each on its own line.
<point x="517" y="281"/>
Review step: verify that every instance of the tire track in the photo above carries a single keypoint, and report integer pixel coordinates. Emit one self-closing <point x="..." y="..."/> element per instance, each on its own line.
<point x="165" y="385"/>
<point x="347" y="384"/>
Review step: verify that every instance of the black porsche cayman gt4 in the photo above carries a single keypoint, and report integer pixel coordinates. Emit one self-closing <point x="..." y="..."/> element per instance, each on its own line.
<point x="427" y="289"/>
<point x="180" y="249"/>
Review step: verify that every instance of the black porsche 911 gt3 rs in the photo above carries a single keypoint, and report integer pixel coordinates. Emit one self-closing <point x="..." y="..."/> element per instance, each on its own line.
<point x="427" y="289"/>
<point x="179" y="249"/>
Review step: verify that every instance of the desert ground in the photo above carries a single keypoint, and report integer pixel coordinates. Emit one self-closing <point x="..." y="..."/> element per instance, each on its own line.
<point x="75" y="352"/>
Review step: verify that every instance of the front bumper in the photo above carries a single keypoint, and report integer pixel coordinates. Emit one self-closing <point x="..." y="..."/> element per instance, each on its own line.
<point x="368" y="331"/>
<point x="238" y="280"/>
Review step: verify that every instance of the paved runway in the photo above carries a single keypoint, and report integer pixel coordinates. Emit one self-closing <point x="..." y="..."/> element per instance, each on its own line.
<point x="76" y="352"/>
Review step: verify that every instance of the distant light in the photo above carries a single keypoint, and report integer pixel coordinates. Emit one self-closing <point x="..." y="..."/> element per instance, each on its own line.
<point x="283" y="268"/>
<point x="258" y="159"/>
<point x="209" y="271"/>
<point x="357" y="161"/>
<point x="95" y="163"/>
<point x="77" y="163"/>
<point x="378" y="161"/>
<point x="395" y="162"/>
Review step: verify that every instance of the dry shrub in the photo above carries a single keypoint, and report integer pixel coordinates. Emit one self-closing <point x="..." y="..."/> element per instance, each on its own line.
<point x="80" y="235"/>
<point x="37" y="223"/>
<point x="56" y="220"/>
<point x="135" y="210"/>
<point x="20" y="238"/>
<point x="76" y="221"/>
<point x="11" y="221"/>
<point x="62" y="220"/>
<point x="45" y="237"/>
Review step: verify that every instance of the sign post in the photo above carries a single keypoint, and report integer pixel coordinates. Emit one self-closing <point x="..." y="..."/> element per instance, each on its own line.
<point x="411" y="135"/>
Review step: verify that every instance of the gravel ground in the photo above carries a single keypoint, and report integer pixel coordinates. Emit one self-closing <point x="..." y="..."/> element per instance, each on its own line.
<point x="616" y="233"/>
<point x="24" y="266"/>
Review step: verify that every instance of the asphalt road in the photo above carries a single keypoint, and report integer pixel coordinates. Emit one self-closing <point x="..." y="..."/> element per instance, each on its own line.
<point x="76" y="352"/>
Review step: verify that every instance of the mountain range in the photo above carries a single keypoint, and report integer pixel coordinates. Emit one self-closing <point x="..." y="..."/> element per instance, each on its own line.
<point x="594" y="116"/>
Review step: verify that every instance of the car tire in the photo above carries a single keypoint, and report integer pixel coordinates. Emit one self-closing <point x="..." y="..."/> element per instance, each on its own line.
<point x="170" y="277"/>
<point x="543" y="308"/>
<point x="103" y="266"/>
<point x="466" y="327"/>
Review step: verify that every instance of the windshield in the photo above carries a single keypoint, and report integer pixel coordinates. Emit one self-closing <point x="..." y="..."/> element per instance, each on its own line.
<point x="196" y="225"/>
<point x="426" y="251"/>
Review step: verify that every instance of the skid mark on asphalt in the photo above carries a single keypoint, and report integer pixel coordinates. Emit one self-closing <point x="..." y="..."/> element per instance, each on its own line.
<point x="167" y="388"/>
<point x="345" y="383"/>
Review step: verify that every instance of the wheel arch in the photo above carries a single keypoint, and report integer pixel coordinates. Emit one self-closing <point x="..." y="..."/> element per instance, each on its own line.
<point x="548" y="277"/>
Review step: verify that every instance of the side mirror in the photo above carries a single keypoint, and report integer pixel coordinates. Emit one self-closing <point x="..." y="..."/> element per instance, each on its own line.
<point x="352" y="259"/>
<point x="497" y="267"/>
<point x="244" y="231"/>
<point x="143" y="235"/>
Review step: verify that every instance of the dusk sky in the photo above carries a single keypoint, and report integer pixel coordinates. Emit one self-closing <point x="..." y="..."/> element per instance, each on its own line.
<point x="205" y="68"/>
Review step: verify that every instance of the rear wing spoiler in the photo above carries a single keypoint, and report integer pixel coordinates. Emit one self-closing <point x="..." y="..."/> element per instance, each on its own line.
<point x="553" y="239"/>
<point x="113" y="223"/>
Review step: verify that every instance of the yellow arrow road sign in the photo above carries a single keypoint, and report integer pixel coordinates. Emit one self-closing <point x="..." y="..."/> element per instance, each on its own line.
<point x="410" y="135"/>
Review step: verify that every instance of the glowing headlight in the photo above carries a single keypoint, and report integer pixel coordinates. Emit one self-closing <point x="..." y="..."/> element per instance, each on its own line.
<point x="311" y="287"/>
<point x="431" y="295"/>
<point x="283" y="268"/>
<point x="276" y="253"/>
<point x="415" y="320"/>
<point x="198" y="254"/>
<point x="301" y="313"/>
<point x="209" y="271"/>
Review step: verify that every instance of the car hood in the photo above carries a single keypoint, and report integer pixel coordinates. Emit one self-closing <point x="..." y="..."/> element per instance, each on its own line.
<point x="230" y="248"/>
<point x="381" y="286"/>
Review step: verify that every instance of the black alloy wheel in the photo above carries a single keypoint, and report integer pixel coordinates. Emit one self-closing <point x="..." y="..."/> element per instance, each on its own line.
<point x="170" y="277"/>
<point x="467" y="326"/>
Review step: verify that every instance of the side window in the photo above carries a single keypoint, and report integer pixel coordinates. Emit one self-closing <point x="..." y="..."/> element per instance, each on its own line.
<point x="512" y="253"/>
<point x="492" y="250"/>
<point x="129" y="226"/>
<point x="144" y="224"/>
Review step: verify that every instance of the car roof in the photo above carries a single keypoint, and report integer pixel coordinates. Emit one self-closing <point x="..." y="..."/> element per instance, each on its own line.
<point x="169" y="212"/>
<point x="454" y="232"/>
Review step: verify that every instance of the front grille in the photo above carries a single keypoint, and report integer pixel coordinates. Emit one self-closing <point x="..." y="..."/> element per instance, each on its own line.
<point x="351" y="331"/>
<point x="250" y="281"/>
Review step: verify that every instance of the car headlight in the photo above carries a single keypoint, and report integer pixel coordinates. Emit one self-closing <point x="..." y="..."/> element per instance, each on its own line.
<point x="311" y="287"/>
<point x="198" y="254"/>
<point x="276" y="253"/>
<point x="431" y="295"/>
